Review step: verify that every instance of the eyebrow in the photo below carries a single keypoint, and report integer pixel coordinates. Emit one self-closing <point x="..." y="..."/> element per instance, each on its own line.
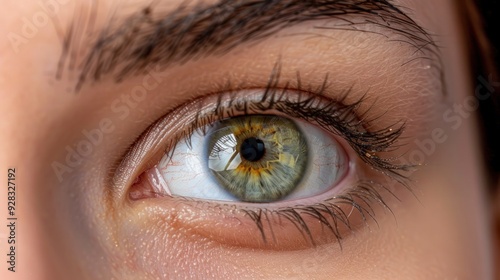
<point x="150" y="37"/>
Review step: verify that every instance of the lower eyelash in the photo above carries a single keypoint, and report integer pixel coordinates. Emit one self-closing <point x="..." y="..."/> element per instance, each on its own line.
<point x="329" y="213"/>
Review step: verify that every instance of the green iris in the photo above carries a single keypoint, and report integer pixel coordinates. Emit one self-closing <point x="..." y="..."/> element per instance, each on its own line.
<point x="258" y="158"/>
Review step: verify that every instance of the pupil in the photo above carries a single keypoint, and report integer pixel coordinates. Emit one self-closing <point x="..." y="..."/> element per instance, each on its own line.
<point x="252" y="149"/>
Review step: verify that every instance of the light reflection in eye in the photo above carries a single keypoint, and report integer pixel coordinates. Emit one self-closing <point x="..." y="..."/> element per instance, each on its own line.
<point x="294" y="160"/>
<point x="227" y="157"/>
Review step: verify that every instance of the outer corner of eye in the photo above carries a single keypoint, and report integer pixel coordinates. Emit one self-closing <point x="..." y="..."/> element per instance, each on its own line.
<point x="259" y="159"/>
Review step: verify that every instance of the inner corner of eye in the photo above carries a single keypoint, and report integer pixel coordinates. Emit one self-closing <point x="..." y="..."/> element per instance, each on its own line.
<point x="252" y="159"/>
<point x="144" y="186"/>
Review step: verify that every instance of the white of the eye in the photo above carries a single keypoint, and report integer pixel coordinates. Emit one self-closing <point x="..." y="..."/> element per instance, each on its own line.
<point x="328" y="163"/>
<point x="187" y="172"/>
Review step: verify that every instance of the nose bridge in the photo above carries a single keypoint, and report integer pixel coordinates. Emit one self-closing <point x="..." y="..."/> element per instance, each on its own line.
<point x="50" y="227"/>
<point x="31" y="236"/>
<point x="39" y="118"/>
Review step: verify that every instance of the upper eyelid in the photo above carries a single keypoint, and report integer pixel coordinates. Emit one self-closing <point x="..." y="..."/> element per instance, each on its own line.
<point x="204" y="30"/>
<point x="149" y="144"/>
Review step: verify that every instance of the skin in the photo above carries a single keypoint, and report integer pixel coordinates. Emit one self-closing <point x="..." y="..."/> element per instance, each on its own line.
<point x="73" y="228"/>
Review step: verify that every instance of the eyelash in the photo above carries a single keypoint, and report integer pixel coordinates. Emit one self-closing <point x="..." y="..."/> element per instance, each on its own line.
<point x="336" y="117"/>
<point x="359" y="198"/>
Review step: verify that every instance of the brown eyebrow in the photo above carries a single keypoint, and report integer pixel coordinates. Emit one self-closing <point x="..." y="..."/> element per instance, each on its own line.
<point x="150" y="38"/>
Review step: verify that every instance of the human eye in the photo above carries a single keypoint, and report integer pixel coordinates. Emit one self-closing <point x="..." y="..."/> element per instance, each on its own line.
<point x="293" y="167"/>
<point x="251" y="158"/>
<point x="229" y="150"/>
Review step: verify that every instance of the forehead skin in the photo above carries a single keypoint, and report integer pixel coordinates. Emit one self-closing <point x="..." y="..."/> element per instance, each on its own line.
<point x="41" y="114"/>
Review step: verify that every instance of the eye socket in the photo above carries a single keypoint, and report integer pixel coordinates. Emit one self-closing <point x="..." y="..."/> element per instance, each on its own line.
<point x="255" y="158"/>
<point x="340" y="202"/>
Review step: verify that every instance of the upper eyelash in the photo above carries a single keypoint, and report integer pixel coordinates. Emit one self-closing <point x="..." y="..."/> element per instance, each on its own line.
<point x="336" y="117"/>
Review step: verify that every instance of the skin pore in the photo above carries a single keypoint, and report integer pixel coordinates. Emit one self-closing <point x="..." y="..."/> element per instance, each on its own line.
<point x="63" y="85"/>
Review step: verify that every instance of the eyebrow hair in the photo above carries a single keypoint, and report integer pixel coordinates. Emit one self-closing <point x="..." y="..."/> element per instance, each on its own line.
<point x="149" y="38"/>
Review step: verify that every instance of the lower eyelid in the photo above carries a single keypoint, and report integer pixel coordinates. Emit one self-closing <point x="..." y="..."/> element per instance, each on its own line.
<point x="276" y="228"/>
